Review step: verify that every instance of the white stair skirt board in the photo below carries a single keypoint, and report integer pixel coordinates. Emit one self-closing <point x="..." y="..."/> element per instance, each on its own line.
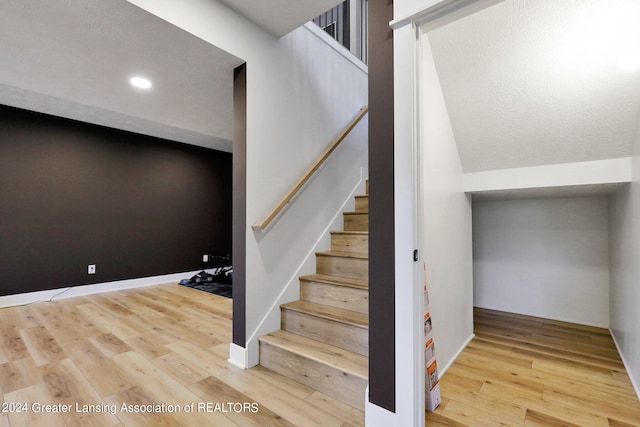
<point x="79" y="290"/>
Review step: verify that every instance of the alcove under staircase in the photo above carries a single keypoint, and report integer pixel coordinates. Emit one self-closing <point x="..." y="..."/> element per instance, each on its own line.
<point x="324" y="337"/>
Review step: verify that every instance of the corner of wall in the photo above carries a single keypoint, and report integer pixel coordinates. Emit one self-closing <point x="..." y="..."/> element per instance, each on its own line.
<point x="628" y="367"/>
<point x="624" y="211"/>
<point x="450" y="362"/>
<point x="238" y="356"/>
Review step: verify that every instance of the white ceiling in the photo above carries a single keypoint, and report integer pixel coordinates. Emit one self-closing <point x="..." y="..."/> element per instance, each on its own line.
<point x="530" y="83"/>
<point x="73" y="58"/>
<point x="280" y="17"/>
<point x="526" y="82"/>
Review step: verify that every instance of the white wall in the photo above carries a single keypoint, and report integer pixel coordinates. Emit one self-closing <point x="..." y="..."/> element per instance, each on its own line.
<point x="443" y="234"/>
<point x="545" y="257"/>
<point x="446" y="225"/>
<point x="624" y="211"/>
<point x="433" y="214"/>
<point x="300" y="94"/>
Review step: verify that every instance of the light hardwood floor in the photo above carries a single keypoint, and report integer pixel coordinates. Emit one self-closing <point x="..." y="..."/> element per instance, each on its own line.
<point x="527" y="371"/>
<point x="164" y="344"/>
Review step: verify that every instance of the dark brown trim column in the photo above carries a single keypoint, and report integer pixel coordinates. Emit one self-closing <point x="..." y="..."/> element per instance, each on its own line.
<point x="382" y="361"/>
<point x="239" y="226"/>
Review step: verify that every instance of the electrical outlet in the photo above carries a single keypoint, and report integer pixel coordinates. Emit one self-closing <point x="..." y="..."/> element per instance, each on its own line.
<point x="205" y="258"/>
<point x="91" y="269"/>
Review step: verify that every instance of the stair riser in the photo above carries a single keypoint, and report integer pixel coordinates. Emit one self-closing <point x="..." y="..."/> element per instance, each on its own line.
<point x="357" y="222"/>
<point x="333" y="382"/>
<point x="343" y="335"/>
<point x="362" y="204"/>
<point x="343" y="267"/>
<point x="354" y="299"/>
<point x="350" y="243"/>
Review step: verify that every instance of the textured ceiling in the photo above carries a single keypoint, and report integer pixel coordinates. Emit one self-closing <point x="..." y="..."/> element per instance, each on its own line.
<point x="73" y="58"/>
<point x="279" y="17"/>
<point x="534" y="82"/>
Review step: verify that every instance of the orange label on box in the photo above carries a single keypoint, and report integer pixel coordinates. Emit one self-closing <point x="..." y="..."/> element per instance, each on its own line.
<point x="432" y="375"/>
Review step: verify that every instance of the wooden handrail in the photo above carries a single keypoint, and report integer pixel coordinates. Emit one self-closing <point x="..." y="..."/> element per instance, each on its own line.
<point x="264" y="223"/>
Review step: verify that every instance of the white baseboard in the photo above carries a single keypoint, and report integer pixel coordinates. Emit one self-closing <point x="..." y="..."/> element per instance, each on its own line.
<point x="238" y="356"/>
<point x="375" y="416"/>
<point x="455" y="356"/>
<point x="76" y="291"/>
<point x="626" y="365"/>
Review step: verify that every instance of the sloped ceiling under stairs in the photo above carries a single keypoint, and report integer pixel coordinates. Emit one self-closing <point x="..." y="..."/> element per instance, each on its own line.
<point x="531" y="83"/>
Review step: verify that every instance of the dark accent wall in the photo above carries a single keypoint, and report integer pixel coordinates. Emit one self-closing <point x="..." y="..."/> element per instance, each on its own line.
<point x="239" y="204"/>
<point x="74" y="194"/>
<point x="382" y="360"/>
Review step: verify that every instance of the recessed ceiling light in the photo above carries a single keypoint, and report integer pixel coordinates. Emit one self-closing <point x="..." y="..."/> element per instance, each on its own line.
<point x="140" y="82"/>
<point x="630" y="60"/>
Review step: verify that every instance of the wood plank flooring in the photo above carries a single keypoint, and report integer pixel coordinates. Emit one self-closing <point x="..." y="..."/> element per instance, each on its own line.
<point x="527" y="371"/>
<point x="159" y="345"/>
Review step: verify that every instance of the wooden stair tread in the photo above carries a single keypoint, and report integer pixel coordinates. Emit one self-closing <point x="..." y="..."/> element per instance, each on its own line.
<point x="338" y="281"/>
<point x="344" y="360"/>
<point x="349" y="317"/>
<point x="358" y="255"/>
<point x="323" y="341"/>
<point x="351" y="233"/>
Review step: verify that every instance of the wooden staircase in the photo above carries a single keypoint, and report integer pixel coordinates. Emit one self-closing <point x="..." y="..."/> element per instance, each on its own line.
<point x="324" y="337"/>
